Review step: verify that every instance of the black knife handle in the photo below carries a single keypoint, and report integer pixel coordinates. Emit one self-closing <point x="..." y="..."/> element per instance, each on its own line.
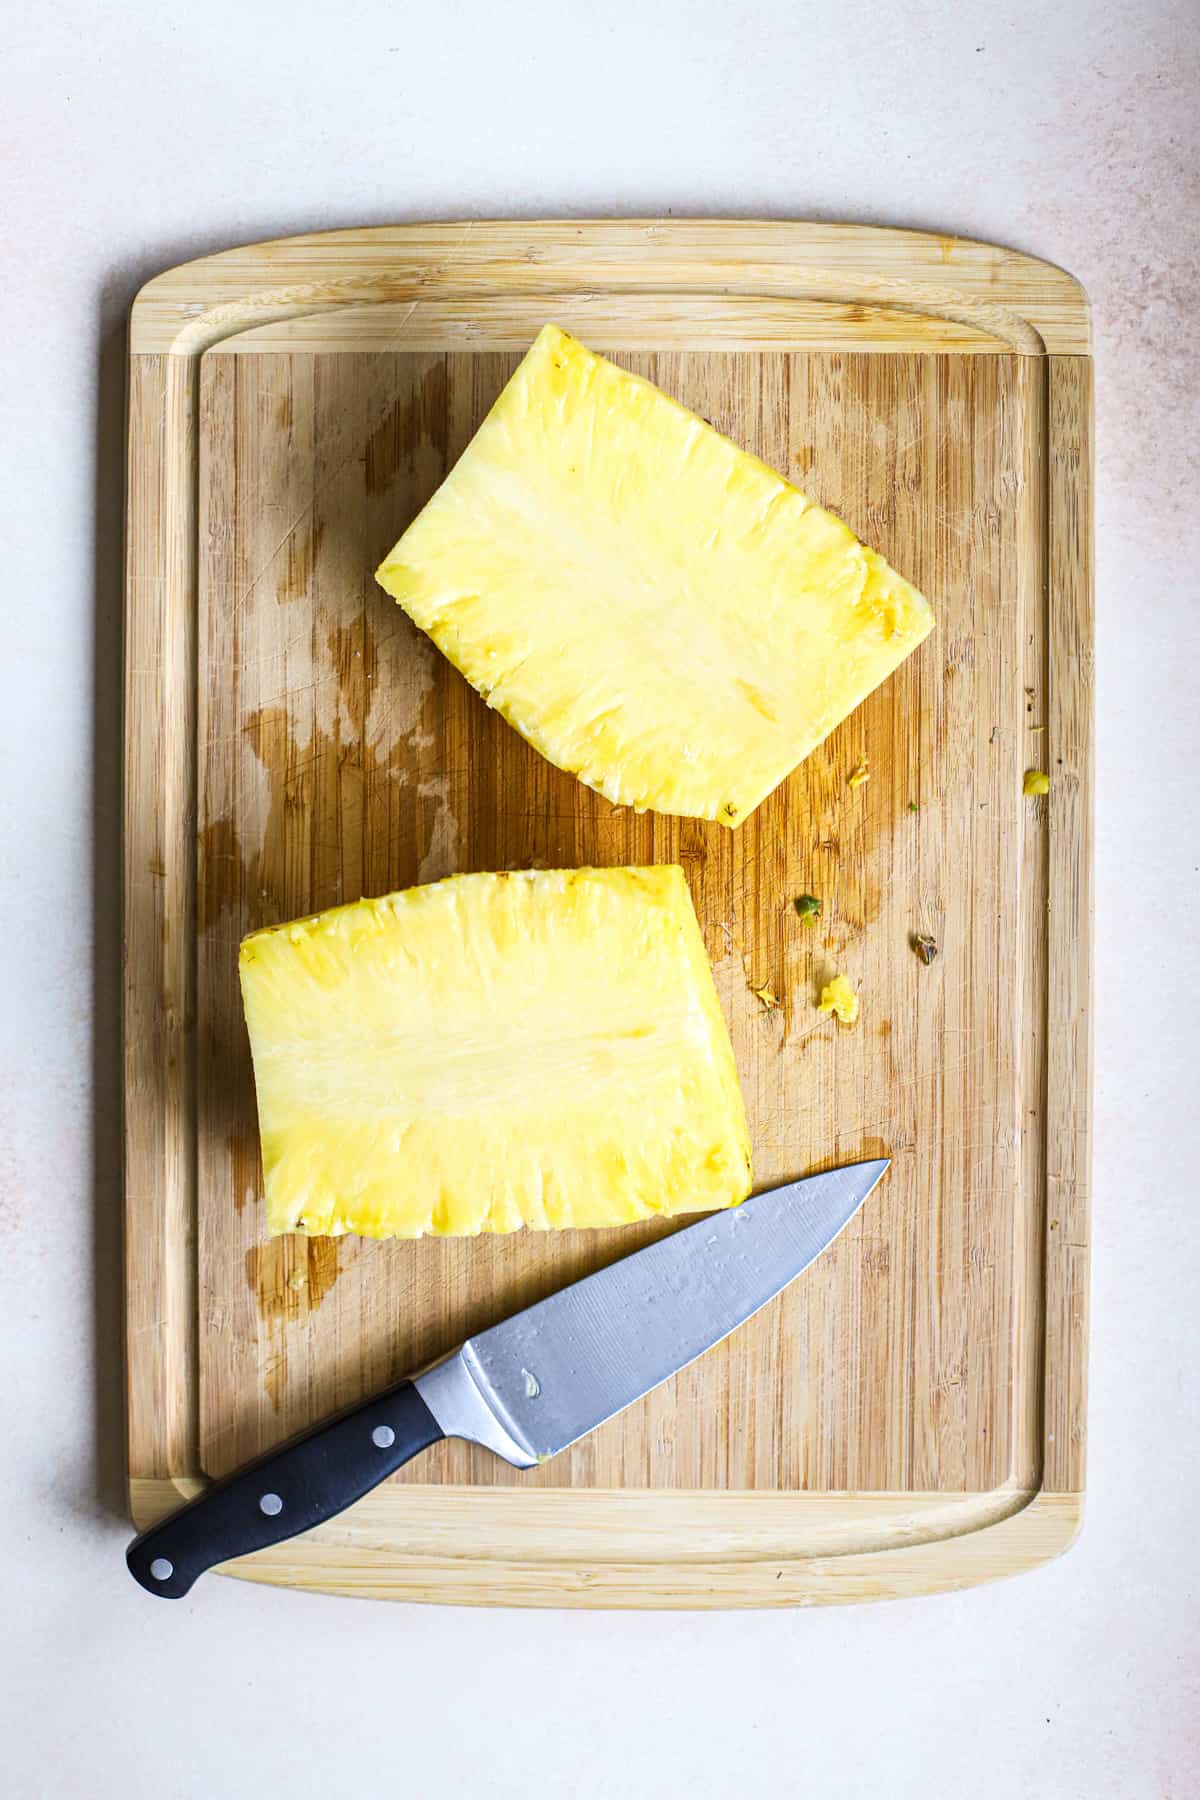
<point x="285" y="1492"/>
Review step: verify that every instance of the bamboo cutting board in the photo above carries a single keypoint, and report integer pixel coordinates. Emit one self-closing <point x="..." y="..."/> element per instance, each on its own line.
<point x="910" y="1414"/>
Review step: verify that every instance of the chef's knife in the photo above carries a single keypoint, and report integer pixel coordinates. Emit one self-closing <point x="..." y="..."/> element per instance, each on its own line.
<point x="526" y="1388"/>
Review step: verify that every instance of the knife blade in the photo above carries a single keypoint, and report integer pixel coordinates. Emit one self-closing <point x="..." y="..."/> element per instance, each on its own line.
<point x="526" y="1388"/>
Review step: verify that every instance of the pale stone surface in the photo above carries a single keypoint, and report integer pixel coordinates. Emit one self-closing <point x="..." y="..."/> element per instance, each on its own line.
<point x="137" y="136"/>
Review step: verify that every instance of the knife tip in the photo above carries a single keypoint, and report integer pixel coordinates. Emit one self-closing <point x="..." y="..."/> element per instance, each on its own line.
<point x="876" y="1166"/>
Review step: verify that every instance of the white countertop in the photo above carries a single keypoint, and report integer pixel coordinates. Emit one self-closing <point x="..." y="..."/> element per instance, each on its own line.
<point x="139" y="135"/>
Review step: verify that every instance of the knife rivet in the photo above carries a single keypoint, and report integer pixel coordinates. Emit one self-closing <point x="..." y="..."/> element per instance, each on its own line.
<point x="271" y="1504"/>
<point x="161" y="1569"/>
<point x="383" y="1437"/>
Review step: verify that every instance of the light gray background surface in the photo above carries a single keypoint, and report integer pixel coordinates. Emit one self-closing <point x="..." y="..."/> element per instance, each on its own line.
<point x="134" y="136"/>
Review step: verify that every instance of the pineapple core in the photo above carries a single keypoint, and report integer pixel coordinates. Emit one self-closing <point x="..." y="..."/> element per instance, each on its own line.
<point x="494" y="1051"/>
<point x="655" y="610"/>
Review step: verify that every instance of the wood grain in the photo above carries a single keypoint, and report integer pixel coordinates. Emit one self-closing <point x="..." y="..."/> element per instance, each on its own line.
<point x="159" y="933"/>
<point x="618" y="1549"/>
<point x="341" y="755"/>
<point x="1069" y="764"/>
<point x="1018" y="302"/>
<point x="336" y="754"/>
<point x="620" y="321"/>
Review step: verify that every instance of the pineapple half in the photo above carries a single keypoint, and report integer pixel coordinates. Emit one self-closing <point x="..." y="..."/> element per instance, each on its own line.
<point x="493" y="1051"/>
<point x="655" y="610"/>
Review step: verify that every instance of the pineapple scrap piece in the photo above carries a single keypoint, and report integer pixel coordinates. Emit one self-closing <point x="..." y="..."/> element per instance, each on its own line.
<point x="655" y="610"/>
<point x="840" y="999"/>
<point x="541" y="1049"/>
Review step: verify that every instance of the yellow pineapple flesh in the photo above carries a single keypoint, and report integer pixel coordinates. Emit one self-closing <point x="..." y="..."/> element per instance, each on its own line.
<point x="654" y="609"/>
<point x="494" y="1051"/>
